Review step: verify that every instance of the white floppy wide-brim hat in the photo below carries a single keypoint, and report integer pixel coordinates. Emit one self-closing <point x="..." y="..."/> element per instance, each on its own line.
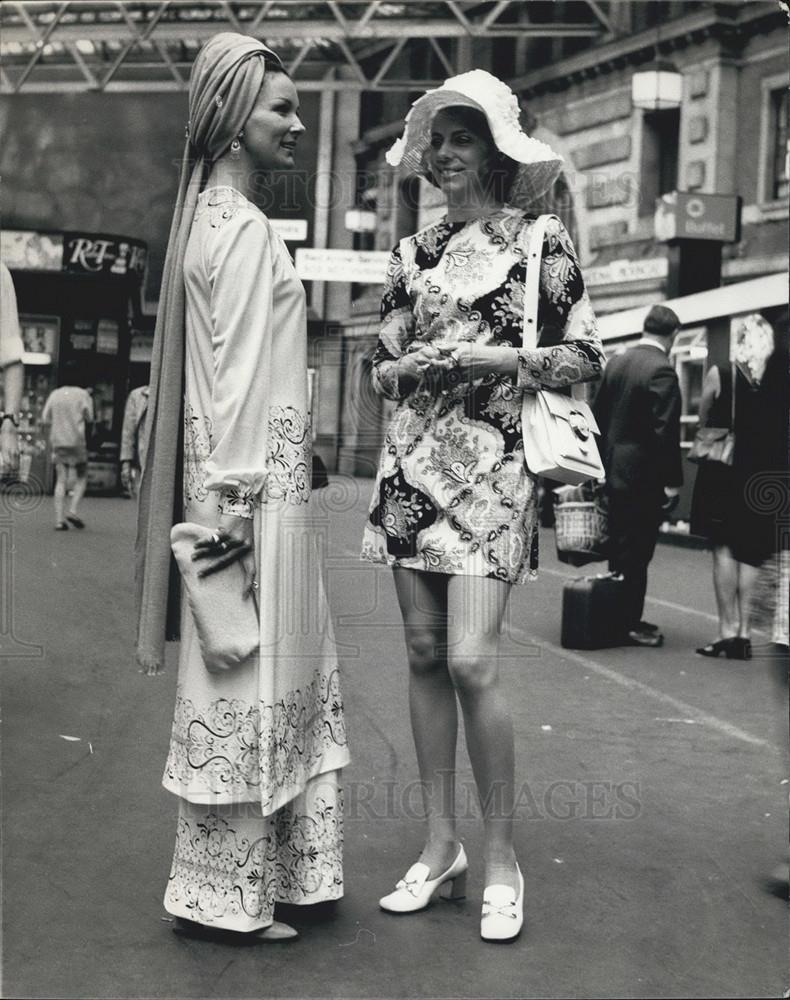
<point x="539" y="164"/>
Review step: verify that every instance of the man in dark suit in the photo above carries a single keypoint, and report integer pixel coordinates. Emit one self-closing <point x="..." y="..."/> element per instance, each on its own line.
<point x="638" y="412"/>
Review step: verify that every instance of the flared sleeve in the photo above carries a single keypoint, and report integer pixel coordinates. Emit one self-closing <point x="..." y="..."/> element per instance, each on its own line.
<point x="11" y="346"/>
<point x="396" y="331"/>
<point x="565" y="317"/>
<point x="240" y="268"/>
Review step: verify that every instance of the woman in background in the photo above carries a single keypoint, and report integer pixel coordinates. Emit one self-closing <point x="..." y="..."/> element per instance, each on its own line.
<point x="726" y="505"/>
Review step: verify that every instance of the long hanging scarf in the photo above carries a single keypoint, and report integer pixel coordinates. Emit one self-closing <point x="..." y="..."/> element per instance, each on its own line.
<point x="225" y="82"/>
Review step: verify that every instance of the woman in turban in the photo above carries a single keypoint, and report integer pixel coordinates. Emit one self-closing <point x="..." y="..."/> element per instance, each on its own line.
<point x="255" y="752"/>
<point x="454" y="508"/>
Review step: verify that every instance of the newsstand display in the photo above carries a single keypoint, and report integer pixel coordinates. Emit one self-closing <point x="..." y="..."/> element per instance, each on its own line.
<point x="78" y="296"/>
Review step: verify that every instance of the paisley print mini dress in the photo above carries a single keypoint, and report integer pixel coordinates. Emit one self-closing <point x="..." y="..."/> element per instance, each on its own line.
<point x="452" y="493"/>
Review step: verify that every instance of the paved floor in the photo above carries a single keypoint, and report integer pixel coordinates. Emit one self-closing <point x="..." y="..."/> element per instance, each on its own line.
<point x="651" y="809"/>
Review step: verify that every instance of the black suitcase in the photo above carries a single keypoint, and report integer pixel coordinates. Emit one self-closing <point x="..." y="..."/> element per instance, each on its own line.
<point x="593" y="615"/>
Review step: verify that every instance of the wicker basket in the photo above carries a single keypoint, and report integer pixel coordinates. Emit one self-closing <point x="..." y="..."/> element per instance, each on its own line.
<point x="581" y="525"/>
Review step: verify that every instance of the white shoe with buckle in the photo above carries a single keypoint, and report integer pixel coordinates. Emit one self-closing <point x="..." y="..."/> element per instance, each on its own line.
<point x="415" y="890"/>
<point x="503" y="911"/>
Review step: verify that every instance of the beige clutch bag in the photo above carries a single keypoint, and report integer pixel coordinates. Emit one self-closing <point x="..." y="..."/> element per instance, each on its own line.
<point x="226" y="620"/>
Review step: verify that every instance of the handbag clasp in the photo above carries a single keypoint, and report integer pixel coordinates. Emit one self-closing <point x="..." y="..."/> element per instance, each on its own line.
<point x="579" y="425"/>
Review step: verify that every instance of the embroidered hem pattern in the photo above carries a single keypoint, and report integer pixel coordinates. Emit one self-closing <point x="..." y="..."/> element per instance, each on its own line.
<point x="231" y="864"/>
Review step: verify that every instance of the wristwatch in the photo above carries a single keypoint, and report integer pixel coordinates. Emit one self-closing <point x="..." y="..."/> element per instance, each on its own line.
<point x="9" y="416"/>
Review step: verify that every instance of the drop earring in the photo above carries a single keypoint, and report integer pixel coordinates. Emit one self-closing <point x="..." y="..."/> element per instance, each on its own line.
<point x="235" y="146"/>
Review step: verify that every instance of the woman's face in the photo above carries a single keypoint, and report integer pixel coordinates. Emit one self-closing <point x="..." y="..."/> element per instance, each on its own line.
<point x="459" y="159"/>
<point x="274" y="126"/>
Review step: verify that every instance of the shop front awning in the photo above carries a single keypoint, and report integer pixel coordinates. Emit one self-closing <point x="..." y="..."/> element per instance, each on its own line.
<point x="149" y="45"/>
<point x="731" y="300"/>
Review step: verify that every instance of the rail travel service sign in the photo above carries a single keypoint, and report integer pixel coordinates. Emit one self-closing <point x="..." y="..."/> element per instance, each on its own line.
<point x="364" y="266"/>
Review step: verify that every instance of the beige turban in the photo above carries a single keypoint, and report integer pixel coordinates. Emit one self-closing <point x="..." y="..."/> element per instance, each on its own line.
<point x="226" y="79"/>
<point x="225" y="83"/>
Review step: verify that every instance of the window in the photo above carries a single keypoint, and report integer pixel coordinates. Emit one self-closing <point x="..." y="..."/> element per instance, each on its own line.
<point x="778" y="182"/>
<point x="659" y="164"/>
<point x="689" y="352"/>
<point x="773" y="180"/>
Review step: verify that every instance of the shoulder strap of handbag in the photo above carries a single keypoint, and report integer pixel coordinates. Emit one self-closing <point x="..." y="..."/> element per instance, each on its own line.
<point x="733" y="383"/>
<point x="727" y="380"/>
<point x="529" y="334"/>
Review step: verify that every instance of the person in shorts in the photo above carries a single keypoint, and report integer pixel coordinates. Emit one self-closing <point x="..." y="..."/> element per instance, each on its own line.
<point x="67" y="416"/>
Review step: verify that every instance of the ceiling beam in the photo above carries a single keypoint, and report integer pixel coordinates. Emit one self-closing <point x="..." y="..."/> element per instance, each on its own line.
<point x="176" y="31"/>
<point x="39" y="38"/>
<point x="171" y="86"/>
<point x="391" y="57"/>
<point x="137" y="37"/>
<point x="49" y="56"/>
<point x="596" y="8"/>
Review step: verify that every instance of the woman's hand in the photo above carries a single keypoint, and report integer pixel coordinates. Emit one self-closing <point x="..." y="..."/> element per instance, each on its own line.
<point x="128" y="478"/>
<point x="474" y="361"/>
<point x="425" y="362"/>
<point x="232" y="541"/>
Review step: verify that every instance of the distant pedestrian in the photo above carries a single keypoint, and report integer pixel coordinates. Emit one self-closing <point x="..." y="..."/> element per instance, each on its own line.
<point x="638" y="411"/>
<point x="11" y="350"/>
<point x="133" y="438"/>
<point x="726" y="504"/>
<point x="454" y="509"/>
<point x="256" y="752"/>
<point x="67" y="417"/>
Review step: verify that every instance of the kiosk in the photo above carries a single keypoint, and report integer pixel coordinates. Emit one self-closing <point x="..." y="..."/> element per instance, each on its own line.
<point x="78" y="296"/>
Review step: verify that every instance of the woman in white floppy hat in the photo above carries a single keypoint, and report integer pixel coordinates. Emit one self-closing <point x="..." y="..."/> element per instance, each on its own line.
<point x="454" y="509"/>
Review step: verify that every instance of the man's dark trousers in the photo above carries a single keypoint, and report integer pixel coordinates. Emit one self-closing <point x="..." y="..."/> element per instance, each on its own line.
<point x="638" y="411"/>
<point x="634" y="521"/>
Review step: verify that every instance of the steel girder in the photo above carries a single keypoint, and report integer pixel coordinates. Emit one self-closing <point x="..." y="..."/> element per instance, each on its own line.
<point x="149" y="45"/>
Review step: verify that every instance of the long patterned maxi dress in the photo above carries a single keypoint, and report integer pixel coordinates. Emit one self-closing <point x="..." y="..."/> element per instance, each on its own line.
<point x="453" y="494"/>
<point x="255" y="752"/>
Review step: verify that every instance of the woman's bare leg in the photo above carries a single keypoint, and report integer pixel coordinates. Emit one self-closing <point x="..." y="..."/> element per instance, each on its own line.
<point x="432" y="703"/>
<point x="476" y="607"/>
<point x="725" y="585"/>
<point x="747" y="578"/>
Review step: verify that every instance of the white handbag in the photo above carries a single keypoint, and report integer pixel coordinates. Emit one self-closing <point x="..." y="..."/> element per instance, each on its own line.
<point x="557" y="430"/>
<point x="226" y="620"/>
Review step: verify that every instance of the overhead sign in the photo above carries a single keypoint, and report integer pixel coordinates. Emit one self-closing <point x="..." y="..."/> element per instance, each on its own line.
<point x="23" y="250"/>
<point x="684" y="216"/>
<point x="83" y="253"/>
<point x="363" y="266"/>
<point x="291" y="230"/>
<point x="621" y="271"/>
<point x="93" y="254"/>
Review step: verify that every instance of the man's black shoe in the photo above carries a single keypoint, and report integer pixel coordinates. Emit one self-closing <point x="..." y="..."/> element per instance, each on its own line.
<point x="636" y="637"/>
<point x="646" y="627"/>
